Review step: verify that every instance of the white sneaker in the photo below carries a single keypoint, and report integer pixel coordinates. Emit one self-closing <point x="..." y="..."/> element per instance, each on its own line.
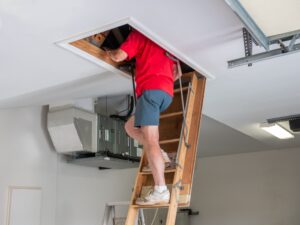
<point x="154" y="198"/>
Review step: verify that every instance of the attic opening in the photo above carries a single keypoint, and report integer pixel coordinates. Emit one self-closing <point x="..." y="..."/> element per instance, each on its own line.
<point x="96" y="44"/>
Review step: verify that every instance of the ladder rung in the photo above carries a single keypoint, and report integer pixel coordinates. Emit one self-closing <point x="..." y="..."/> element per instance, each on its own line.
<point x="169" y="141"/>
<point x="177" y="90"/>
<point x="167" y="115"/>
<point x="188" y="75"/>
<point x="173" y="170"/>
<point x="151" y="206"/>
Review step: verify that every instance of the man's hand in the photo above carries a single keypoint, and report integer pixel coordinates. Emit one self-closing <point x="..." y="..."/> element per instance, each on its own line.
<point x="117" y="55"/>
<point x="176" y="73"/>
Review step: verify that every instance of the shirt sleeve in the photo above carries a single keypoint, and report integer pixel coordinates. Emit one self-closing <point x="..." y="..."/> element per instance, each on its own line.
<point x="132" y="44"/>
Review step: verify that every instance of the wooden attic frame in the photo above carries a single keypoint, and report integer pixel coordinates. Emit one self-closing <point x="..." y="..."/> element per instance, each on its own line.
<point x="180" y="177"/>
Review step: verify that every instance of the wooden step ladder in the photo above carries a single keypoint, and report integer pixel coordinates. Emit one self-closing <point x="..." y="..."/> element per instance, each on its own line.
<point x="110" y="214"/>
<point x="179" y="132"/>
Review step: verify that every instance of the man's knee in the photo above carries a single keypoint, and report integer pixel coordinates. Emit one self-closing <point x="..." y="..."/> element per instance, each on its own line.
<point x="129" y="126"/>
<point x="150" y="136"/>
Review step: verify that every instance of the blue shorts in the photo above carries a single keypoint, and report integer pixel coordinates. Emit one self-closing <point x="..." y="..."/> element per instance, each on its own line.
<point x="149" y="106"/>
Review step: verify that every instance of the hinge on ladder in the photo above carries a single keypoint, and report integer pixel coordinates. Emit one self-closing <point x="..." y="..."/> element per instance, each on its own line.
<point x="176" y="164"/>
<point x="191" y="89"/>
<point x="178" y="185"/>
<point x="187" y="145"/>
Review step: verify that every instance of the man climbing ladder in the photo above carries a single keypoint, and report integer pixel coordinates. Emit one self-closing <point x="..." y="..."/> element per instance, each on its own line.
<point x="155" y="75"/>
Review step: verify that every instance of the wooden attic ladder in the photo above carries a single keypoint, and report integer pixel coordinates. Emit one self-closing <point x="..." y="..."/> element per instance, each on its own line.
<point x="180" y="138"/>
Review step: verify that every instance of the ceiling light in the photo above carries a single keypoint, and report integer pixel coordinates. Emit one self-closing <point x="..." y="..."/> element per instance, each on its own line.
<point x="274" y="17"/>
<point x="268" y="22"/>
<point x="276" y="131"/>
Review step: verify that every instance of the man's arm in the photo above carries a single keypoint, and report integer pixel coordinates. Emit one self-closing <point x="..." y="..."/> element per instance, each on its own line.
<point x="117" y="55"/>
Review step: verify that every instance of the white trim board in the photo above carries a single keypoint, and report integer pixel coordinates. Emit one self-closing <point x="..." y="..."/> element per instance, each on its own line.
<point x="17" y="213"/>
<point x="141" y="28"/>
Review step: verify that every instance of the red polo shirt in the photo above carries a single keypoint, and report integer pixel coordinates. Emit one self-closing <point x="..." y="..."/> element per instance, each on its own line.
<point x="154" y="70"/>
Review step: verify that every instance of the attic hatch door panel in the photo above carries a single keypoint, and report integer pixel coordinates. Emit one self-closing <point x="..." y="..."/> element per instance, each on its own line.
<point x="95" y="45"/>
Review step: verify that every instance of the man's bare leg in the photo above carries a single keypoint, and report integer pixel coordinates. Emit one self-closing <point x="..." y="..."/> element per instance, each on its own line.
<point x="150" y="136"/>
<point x="134" y="132"/>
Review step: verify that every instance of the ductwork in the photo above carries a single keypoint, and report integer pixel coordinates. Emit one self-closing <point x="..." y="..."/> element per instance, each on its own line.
<point x="72" y="129"/>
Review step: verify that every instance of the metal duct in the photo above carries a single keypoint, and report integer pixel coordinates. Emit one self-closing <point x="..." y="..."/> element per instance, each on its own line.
<point x="72" y="129"/>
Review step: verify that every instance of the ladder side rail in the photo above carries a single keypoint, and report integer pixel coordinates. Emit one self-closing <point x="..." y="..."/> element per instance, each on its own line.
<point x="133" y="211"/>
<point x="171" y="217"/>
<point x="189" y="169"/>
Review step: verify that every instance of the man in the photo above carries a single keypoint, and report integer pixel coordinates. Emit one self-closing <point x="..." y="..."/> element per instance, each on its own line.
<point x="154" y="79"/>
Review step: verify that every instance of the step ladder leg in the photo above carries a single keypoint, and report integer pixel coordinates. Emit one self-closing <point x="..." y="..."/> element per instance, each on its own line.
<point x="142" y="217"/>
<point x="113" y="213"/>
<point x="106" y="216"/>
<point x="131" y="216"/>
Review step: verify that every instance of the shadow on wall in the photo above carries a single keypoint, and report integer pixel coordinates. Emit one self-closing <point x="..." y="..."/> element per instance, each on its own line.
<point x="44" y="124"/>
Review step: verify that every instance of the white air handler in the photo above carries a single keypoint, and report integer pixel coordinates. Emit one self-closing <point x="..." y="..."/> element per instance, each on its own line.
<point x="72" y="129"/>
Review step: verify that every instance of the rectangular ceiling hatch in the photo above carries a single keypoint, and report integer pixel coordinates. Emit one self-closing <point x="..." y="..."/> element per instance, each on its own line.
<point x="92" y="46"/>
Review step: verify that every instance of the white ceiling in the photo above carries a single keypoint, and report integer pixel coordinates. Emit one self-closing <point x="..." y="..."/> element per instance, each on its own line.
<point x="34" y="70"/>
<point x="218" y="139"/>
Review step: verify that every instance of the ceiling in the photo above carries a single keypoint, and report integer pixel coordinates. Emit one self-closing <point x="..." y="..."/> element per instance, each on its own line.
<point x="35" y="71"/>
<point x="219" y="139"/>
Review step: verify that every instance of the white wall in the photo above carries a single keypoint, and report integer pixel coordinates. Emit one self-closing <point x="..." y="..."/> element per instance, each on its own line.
<point x="27" y="158"/>
<point x="72" y="195"/>
<point x="259" y="188"/>
<point x="83" y="192"/>
<point x="243" y="189"/>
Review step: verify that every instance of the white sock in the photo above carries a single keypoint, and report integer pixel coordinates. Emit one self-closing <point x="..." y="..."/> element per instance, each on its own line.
<point x="160" y="189"/>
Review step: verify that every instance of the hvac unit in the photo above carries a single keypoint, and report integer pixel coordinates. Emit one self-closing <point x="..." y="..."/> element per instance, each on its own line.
<point x="112" y="138"/>
<point x="72" y="130"/>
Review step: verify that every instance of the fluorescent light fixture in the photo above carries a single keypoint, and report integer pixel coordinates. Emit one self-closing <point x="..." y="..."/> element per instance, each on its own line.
<point x="252" y="27"/>
<point x="274" y="17"/>
<point x="268" y="21"/>
<point x="276" y="131"/>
